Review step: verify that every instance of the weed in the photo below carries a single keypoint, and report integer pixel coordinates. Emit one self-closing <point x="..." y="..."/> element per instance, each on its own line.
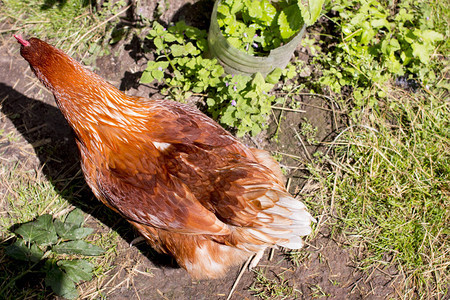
<point x="25" y="196"/>
<point x="318" y="292"/>
<point x="256" y="27"/>
<point x="267" y="288"/>
<point x="297" y="257"/>
<point x="309" y="131"/>
<point x="53" y="247"/>
<point x="239" y="101"/>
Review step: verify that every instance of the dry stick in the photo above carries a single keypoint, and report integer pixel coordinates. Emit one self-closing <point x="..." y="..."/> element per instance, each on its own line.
<point x="244" y="267"/>
<point x="161" y="294"/>
<point x="303" y="144"/>
<point x="315" y="106"/>
<point x="333" y="193"/>
<point x="288" y="109"/>
<point x="271" y="253"/>
<point x="135" y="290"/>
<point x="290" y="155"/>
<point x="274" y="117"/>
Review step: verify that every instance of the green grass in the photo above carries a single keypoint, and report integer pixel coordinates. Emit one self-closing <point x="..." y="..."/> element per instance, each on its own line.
<point x="74" y="26"/>
<point x="390" y="188"/>
<point x="27" y="195"/>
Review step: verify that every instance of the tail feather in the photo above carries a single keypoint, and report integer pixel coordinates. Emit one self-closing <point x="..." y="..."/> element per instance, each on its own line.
<point x="282" y="224"/>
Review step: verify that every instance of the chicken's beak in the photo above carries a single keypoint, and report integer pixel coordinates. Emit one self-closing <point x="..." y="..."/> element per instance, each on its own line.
<point x="21" y="40"/>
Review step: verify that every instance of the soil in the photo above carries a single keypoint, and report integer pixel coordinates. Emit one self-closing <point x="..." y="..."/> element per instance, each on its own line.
<point x="44" y="141"/>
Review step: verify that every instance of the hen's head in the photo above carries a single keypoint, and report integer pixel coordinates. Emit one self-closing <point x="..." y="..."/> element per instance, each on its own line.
<point x="34" y="50"/>
<point x="54" y="68"/>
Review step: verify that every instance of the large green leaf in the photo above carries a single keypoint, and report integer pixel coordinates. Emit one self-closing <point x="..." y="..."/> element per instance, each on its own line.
<point x="274" y="76"/>
<point x="422" y="51"/>
<point x="41" y="231"/>
<point x="70" y="231"/>
<point x="20" y="251"/>
<point x="431" y="36"/>
<point x="147" y="77"/>
<point x="290" y="21"/>
<point x="61" y="283"/>
<point x="315" y="8"/>
<point x="75" y="217"/>
<point x="78" y="247"/>
<point x="310" y="12"/>
<point x="77" y="270"/>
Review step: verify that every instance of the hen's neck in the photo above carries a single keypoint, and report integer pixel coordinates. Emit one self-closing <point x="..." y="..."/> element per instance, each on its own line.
<point x="89" y="103"/>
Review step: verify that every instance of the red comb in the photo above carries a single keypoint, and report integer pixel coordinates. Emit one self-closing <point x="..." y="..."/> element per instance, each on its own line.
<point x="21" y="40"/>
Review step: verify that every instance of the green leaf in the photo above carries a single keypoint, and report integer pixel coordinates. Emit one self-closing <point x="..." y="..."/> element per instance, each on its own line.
<point x="269" y="12"/>
<point x="258" y="79"/>
<point x="290" y="21"/>
<point x="78" y="247"/>
<point x="75" y="217"/>
<point x="311" y="12"/>
<point x="315" y="8"/>
<point x="41" y="231"/>
<point x="70" y="231"/>
<point x="254" y="10"/>
<point x="367" y="36"/>
<point x="274" y="76"/>
<point x="168" y="37"/>
<point x="195" y="33"/>
<point x="236" y="7"/>
<point x="20" y="251"/>
<point x="190" y="49"/>
<point x="147" y="77"/>
<point x="421" y="51"/>
<point x="210" y="102"/>
<point x="380" y="23"/>
<point x="77" y="270"/>
<point x="61" y="283"/>
<point x="158" y="74"/>
<point x="430" y="36"/>
<point x="228" y="117"/>
<point x="159" y="43"/>
<point x="178" y="50"/>
<point x="256" y="129"/>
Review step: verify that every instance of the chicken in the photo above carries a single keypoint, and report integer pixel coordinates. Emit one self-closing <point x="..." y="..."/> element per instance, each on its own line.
<point x="188" y="186"/>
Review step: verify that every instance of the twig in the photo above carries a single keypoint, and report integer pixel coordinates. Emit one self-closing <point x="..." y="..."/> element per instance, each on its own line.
<point x="244" y="267"/>
<point x="161" y="294"/>
<point x="333" y="192"/>
<point x="290" y="155"/>
<point x="272" y="252"/>
<point x="288" y="109"/>
<point x="303" y="144"/>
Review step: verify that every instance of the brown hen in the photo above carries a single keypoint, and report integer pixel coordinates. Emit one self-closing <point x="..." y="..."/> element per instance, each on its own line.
<point x="188" y="186"/>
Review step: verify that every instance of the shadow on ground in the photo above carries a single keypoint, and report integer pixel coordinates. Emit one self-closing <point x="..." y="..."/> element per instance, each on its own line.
<point x="44" y="127"/>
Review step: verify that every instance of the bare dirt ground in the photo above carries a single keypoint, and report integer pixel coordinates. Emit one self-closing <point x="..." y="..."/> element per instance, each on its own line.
<point x="44" y="141"/>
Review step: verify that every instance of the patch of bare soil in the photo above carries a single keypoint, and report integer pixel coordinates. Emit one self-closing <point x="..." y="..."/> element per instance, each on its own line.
<point x="43" y="139"/>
